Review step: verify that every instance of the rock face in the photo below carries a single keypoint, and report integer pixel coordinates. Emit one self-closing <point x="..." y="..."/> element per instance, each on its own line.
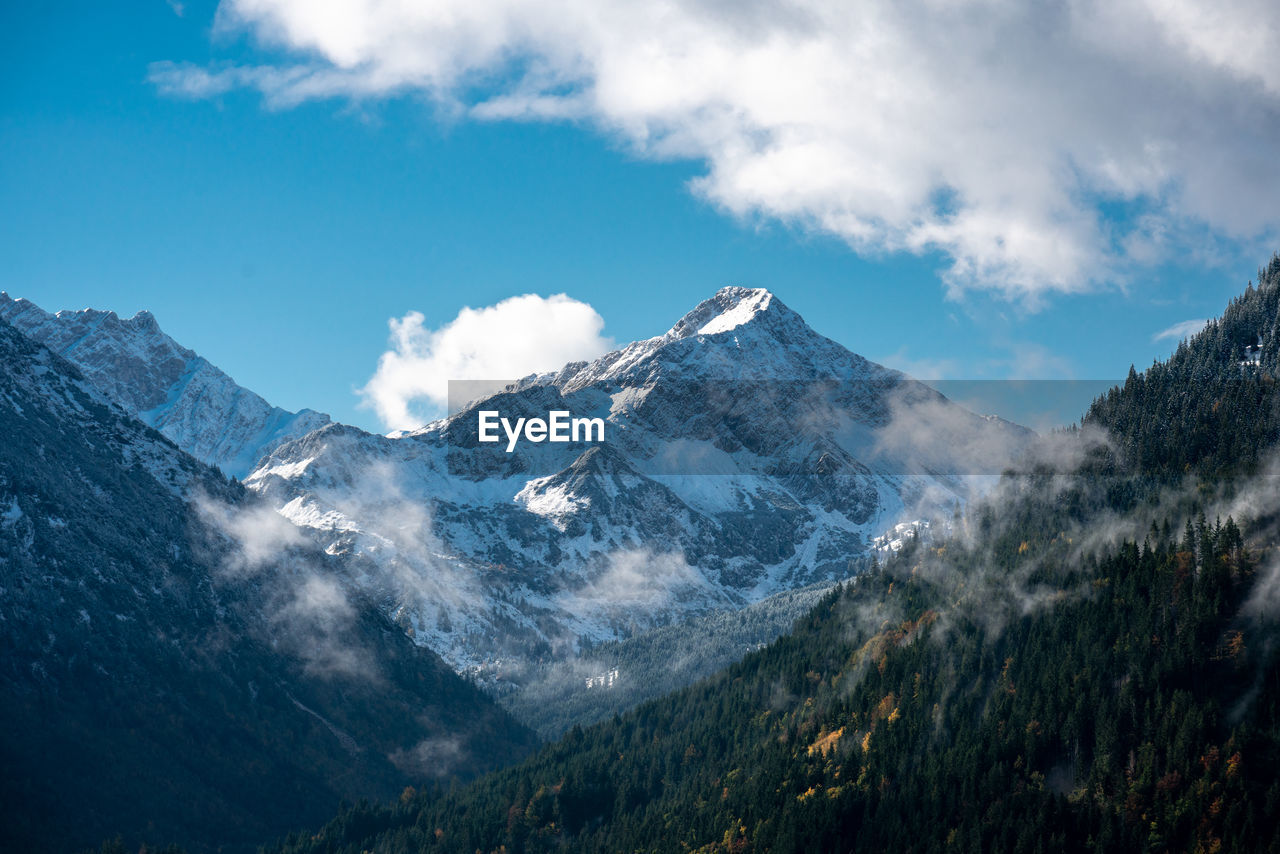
<point x="165" y="385"/>
<point x="744" y="454"/>
<point x="188" y="671"/>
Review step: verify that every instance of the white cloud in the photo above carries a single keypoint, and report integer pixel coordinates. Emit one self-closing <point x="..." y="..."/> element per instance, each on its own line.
<point x="633" y="585"/>
<point x="1184" y="329"/>
<point x="308" y="611"/>
<point x="259" y="536"/>
<point x="989" y="130"/>
<point x="503" y="342"/>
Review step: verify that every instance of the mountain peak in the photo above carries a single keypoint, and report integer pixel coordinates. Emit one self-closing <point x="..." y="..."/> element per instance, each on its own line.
<point x="738" y="333"/>
<point x="730" y="308"/>
<point x="145" y="321"/>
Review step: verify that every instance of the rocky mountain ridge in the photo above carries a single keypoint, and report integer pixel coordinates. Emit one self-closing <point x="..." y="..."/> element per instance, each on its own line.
<point x="165" y="385"/>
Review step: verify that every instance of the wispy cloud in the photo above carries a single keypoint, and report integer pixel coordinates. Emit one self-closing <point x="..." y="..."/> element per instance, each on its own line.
<point x="502" y="342"/>
<point x="258" y="535"/>
<point x="999" y="134"/>
<point x="1183" y="329"/>
<point x="307" y="610"/>
<point x="922" y="367"/>
<point x="1007" y="358"/>
<point x="432" y="757"/>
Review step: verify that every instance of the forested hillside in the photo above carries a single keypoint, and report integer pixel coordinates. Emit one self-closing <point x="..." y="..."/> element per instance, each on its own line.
<point x="1089" y="663"/>
<point x="1214" y="404"/>
<point x="151" y="684"/>
<point x="1134" y="713"/>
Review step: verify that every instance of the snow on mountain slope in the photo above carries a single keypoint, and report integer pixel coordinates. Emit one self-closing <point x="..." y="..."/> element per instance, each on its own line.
<point x="167" y="386"/>
<point x="744" y="454"/>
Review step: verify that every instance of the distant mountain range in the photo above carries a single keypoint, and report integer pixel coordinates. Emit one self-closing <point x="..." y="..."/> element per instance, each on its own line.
<point x="167" y="386"/>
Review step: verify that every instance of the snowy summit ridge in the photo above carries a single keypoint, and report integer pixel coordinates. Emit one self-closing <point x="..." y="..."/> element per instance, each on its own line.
<point x="170" y="388"/>
<point x="737" y="334"/>
<point x="728" y="309"/>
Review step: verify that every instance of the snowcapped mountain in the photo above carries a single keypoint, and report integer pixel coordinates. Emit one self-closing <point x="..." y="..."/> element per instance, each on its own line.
<point x="167" y="386"/>
<point x="743" y="454"/>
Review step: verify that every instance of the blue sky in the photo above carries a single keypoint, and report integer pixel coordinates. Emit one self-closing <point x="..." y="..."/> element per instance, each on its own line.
<point x="278" y="239"/>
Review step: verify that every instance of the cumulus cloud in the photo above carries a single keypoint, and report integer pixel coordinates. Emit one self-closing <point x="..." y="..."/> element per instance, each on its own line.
<point x="997" y="133"/>
<point x="1178" y="331"/>
<point x="500" y="343"/>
